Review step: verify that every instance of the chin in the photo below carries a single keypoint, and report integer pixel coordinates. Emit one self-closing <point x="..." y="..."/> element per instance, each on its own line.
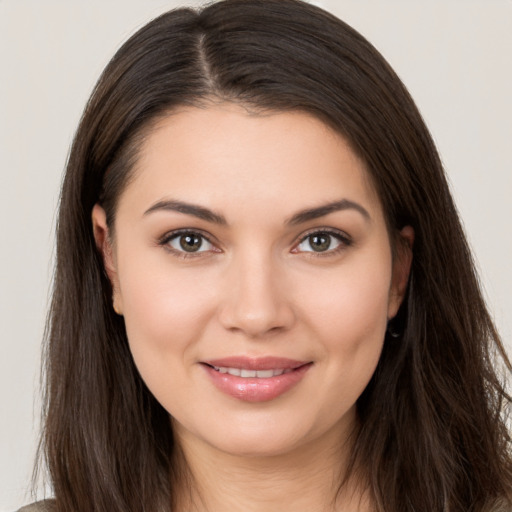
<point x="258" y="446"/>
<point x="266" y="435"/>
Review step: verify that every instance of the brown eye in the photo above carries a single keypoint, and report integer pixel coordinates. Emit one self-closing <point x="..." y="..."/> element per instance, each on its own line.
<point x="322" y="241"/>
<point x="189" y="242"/>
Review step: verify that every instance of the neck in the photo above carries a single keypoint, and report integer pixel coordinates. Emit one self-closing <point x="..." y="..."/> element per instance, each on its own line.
<point x="306" y="479"/>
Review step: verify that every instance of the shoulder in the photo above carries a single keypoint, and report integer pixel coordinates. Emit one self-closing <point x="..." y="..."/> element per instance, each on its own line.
<point x="40" y="506"/>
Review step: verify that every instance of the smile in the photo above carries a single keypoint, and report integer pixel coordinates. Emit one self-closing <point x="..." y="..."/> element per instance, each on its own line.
<point x="255" y="380"/>
<point x="259" y="374"/>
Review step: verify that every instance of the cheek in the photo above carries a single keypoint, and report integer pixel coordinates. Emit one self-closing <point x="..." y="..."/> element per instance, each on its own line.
<point x="350" y="304"/>
<point x="165" y="313"/>
<point x="347" y="313"/>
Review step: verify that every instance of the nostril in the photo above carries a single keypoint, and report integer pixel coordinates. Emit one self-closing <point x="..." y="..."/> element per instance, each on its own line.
<point x="254" y="304"/>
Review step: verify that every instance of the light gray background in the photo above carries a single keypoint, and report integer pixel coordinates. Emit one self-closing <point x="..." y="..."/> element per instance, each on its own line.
<point x="454" y="56"/>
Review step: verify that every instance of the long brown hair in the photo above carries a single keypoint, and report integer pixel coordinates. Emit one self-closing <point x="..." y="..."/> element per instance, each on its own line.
<point x="432" y="420"/>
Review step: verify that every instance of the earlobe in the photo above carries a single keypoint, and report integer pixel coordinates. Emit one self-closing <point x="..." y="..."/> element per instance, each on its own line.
<point x="101" y="236"/>
<point x="401" y="270"/>
<point x="104" y="245"/>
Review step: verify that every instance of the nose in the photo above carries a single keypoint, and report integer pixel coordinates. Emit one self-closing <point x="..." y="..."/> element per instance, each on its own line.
<point x="256" y="301"/>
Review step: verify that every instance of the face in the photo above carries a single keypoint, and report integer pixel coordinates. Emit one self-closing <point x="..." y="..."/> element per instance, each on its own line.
<point x="253" y="268"/>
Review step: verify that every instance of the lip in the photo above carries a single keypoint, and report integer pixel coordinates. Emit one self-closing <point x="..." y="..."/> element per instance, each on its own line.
<point x="257" y="363"/>
<point x="254" y="389"/>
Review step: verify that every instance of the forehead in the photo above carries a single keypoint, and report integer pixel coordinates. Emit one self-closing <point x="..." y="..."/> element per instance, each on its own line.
<point x="224" y="155"/>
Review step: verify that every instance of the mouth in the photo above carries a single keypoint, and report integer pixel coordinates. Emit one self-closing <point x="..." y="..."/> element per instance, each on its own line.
<point x="256" y="380"/>
<point x="259" y="374"/>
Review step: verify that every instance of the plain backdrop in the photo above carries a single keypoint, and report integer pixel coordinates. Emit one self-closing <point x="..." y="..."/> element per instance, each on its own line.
<point x="454" y="56"/>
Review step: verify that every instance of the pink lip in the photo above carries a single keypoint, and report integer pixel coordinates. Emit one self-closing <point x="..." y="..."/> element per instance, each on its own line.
<point x="256" y="363"/>
<point x="254" y="389"/>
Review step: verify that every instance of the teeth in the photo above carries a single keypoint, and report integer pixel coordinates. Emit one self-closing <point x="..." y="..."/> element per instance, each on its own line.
<point x="261" y="374"/>
<point x="264" y="374"/>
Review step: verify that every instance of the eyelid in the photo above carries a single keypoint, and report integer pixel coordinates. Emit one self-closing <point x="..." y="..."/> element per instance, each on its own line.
<point x="170" y="235"/>
<point x="344" y="239"/>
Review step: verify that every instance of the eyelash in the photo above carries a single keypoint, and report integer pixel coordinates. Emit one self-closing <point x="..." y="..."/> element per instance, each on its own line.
<point x="175" y="235"/>
<point x="343" y="239"/>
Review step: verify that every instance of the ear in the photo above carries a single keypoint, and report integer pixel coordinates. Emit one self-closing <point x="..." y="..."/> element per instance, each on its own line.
<point x="401" y="270"/>
<point x="104" y="245"/>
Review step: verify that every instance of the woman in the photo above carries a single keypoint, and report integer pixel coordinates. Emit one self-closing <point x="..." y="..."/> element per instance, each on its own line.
<point x="264" y="299"/>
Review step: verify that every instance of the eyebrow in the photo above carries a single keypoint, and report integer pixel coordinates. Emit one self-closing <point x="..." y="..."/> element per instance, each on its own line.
<point x="298" y="218"/>
<point x="326" y="209"/>
<point x="189" y="209"/>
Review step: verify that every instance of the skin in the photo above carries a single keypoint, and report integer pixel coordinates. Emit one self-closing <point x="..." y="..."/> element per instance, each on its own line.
<point x="258" y="287"/>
